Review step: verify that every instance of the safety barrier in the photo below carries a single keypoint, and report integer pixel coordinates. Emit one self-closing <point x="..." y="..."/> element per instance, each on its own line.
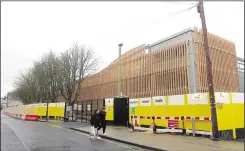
<point x="22" y="116"/>
<point x="172" y="127"/>
<point x="55" y="110"/>
<point x="36" y="111"/>
<point x="188" y="113"/>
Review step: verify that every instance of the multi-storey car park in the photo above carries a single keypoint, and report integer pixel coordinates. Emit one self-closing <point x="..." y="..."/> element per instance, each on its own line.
<point x="171" y="66"/>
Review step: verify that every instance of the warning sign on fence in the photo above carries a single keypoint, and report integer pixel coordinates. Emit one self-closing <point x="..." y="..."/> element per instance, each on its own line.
<point x="68" y="108"/>
<point x="133" y="110"/>
<point x="173" y="124"/>
<point x="88" y="107"/>
<point x="145" y="101"/>
<point x="133" y="102"/>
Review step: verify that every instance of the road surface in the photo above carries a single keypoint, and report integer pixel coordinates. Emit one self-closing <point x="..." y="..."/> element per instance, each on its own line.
<point x="19" y="135"/>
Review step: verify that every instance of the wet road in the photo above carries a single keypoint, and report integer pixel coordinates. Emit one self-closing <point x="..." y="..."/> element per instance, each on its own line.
<point x="19" y="135"/>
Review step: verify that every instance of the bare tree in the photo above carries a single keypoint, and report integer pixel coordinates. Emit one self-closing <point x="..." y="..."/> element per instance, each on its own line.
<point x="25" y="87"/>
<point x="49" y="68"/>
<point x="52" y="76"/>
<point x="40" y="79"/>
<point x="76" y="64"/>
<point x="39" y="84"/>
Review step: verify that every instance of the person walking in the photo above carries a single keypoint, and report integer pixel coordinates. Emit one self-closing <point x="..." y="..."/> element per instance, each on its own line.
<point x="95" y="124"/>
<point x="102" y="115"/>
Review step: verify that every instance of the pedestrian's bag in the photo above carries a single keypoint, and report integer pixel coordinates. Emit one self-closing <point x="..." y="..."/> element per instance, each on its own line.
<point x="92" y="131"/>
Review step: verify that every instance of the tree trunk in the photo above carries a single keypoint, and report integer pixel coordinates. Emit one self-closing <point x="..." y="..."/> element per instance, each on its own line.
<point x="72" y="112"/>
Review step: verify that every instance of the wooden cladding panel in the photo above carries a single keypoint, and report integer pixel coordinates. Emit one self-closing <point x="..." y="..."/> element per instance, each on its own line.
<point x="161" y="72"/>
<point x="224" y="60"/>
<point x="165" y="71"/>
<point x="168" y="67"/>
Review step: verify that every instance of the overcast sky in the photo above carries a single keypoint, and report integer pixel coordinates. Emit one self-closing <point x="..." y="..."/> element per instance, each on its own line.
<point x="30" y="29"/>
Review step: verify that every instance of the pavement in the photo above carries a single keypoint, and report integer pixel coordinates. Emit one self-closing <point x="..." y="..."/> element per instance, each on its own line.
<point x="19" y="135"/>
<point x="160" y="141"/>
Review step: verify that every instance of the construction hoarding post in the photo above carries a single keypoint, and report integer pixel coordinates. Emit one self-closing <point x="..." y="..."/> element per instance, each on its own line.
<point x="193" y="126"/>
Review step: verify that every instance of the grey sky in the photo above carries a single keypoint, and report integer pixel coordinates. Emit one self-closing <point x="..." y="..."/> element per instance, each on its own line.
<point x="30" y="29"/>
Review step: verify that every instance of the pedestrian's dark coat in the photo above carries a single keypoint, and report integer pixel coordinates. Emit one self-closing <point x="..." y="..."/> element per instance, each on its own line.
<point x="102" y="116"/>
<point x="95" y="119"/>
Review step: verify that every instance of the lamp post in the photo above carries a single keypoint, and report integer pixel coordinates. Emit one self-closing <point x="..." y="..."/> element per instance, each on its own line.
<point x="119" y="71"/>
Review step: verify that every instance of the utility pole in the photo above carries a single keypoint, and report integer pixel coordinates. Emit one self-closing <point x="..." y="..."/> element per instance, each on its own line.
<point x="209" y="74"/>
<point x="47" y="104"/>
<point x="47" y="117"/>
<point x="119" y="71"/>
<point x="47" y="110"/>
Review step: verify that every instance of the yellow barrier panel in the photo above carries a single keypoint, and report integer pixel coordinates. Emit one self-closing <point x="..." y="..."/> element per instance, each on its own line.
<point x="237" y="111"/>
<point x="42" y="107"/>
<point x="173" y="106"/>
<point x="224" y="111"/>
<point x="198" y="105"/>
<point x="60" y="109"/>
<point x="27" y="109"/>
<point x="55" y="109"/>
<point x="52" y="109"/>
<point x="109" y="105"/>
<point x="229" y="115"/>
<point x="237" y="100"/>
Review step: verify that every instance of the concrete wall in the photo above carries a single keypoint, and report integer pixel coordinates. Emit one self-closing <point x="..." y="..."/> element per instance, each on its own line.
<point x="185" y="35"/>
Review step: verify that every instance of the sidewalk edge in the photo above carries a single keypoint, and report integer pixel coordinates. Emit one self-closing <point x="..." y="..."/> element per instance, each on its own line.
<point x="122" y="141"/>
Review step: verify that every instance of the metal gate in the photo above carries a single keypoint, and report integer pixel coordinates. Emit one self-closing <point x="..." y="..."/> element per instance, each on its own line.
<point x="87" y="109"/>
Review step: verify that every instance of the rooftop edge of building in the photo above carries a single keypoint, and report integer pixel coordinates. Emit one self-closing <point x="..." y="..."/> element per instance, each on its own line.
<point x="190" y="29"/>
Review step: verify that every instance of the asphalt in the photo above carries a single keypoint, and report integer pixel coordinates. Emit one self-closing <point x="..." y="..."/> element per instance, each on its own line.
<point x="10" y="141"/>
<point x="41" y="136"/>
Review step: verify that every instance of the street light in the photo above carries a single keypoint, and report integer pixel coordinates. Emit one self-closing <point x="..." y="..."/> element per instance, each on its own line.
<point x="119" y="71"/>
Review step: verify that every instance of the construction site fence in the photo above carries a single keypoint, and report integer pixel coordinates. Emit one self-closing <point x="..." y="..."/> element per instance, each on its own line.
<point x="55" y="110"/>
<point x="189" y="112"/>
<point x="82" y="110"/>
